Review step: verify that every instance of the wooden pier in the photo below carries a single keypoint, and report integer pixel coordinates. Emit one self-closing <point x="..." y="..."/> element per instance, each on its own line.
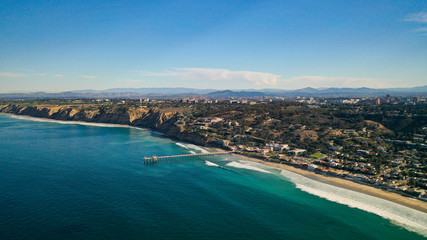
<point x="158" y="159"/>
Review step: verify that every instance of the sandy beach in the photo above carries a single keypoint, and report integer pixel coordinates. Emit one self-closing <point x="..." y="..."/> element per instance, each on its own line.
<point x="343" y="183"/>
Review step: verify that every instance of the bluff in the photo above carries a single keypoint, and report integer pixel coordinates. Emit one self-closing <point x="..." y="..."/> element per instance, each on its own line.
<point x="151" y="118"/>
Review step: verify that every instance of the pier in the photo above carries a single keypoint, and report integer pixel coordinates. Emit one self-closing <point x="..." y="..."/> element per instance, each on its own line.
<point x="158" y="159"/>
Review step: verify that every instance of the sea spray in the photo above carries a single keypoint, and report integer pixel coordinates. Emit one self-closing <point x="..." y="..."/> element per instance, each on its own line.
<point x="406" y="217"/>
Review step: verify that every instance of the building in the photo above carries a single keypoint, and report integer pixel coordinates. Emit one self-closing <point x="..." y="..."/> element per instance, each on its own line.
<point x="233" y="123"/>
<point x="277" y="147"/>
<point x="297" y="151"/>
<point x="264" y="151"/>
<point x="312" y="167"/>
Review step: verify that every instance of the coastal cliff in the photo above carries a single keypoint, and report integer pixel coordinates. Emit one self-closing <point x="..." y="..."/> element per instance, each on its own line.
<point x="152" y="118"/>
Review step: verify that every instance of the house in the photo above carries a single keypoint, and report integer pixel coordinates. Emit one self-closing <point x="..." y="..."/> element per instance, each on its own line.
<point x="312" y="167"/>
<point x="336" y="148"/>
<point x="362" y="152"/>
<point x="297" y="151"/>
<point x="277" y="147"/>
<point x="333" y="164"/>
<point x="233" y="123"/>
<point x="264" y="151"/>
<point x="207" y="121"/>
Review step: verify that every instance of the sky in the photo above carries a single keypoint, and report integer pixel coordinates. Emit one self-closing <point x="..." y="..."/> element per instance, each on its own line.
<point x="64" y="45"/>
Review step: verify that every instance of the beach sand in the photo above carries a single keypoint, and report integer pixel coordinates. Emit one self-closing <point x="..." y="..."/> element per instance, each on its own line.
<point x="347" y="184"/>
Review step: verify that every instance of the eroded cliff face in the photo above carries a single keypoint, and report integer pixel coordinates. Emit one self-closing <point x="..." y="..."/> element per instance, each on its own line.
<point x="152" y="118"/>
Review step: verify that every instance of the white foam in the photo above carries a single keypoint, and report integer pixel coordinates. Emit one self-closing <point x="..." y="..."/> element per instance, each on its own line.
<point x="211" y="164"/>
<point x="192" y="152"/>
<point x="34" y="119"/>
<point x="191" y="146"/>
<point x="181" y="145"/>
<point x="246" y="166"/>
<point x="406" y="217"/>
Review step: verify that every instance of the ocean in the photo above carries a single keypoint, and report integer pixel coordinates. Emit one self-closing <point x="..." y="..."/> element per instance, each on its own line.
<point x="63" y="180"/>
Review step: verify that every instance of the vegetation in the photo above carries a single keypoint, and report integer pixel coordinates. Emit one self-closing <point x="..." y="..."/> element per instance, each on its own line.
<point x="383" y="143"/>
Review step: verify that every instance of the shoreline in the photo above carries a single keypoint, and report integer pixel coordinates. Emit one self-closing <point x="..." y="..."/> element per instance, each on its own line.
<point x="90" y="124"/>
<point x="334" y="181"/>
<point x="347" y="184"/>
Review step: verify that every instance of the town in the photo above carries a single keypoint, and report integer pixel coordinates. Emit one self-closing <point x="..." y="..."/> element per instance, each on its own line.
<point x="374" y="141"/>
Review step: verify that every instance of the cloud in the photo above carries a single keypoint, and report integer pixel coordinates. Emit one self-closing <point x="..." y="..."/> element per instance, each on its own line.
<point x="421" y="30"/>
<point x="89" y="76"/>
<point x="24" y="70"/>
<point x="228" y="79"/>
<point x="12" y="75"/>
<point x="58" y="75"/>
<point x="325" y="81"/>
<point x="129" y="80"/>
<point x="216" y="74"/>
<point x="420" y="17"/>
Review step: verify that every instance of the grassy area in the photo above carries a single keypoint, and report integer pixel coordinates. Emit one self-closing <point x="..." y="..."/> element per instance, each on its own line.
<point x="316" y="155"/>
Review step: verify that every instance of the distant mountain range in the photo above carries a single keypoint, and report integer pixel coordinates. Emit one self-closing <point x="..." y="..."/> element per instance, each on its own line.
<point x="213" y="93"/>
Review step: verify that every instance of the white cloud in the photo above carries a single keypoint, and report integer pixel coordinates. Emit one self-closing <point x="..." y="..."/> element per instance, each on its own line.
<point x="89" y="76"/>
<point x="129" y="80"/>
<point x="24" y="70"/>
<point x="341" y="82"/>
<point x="421" y="30"/>
<point x="12" y="75"/>
<point x="58" y="75"/>
<point x="420" y="17"/>
<point x="240" y="79"/>
<point x="216" y="74"/>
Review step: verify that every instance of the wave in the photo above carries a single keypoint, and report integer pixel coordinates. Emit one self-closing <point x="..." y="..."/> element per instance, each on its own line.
<point x="201" y="149"/>
<point x="411" y="219"/>
<point x="181" y="145"/>
<point x="219" y="166"/>
<point x="211" y="164"/>
<point x="110" y="125"/>
<point x="191" y="146"/>
<point x="246" y="166"/>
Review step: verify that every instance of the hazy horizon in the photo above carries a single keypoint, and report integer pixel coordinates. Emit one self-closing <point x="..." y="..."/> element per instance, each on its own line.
<point x="189" y="88"/>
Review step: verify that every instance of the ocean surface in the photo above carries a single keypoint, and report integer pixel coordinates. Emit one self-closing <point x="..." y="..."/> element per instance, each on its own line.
<point x="62" y="180"/>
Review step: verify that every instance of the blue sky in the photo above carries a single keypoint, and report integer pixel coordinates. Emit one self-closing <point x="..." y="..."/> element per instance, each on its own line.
<point x="69" y="45"/>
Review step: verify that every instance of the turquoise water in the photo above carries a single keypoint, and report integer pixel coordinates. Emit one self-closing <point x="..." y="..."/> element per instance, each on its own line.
<point x="71" y="181"/>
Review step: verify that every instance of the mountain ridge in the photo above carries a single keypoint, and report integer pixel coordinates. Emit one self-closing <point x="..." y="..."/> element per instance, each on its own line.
<point x="214" y="93"/>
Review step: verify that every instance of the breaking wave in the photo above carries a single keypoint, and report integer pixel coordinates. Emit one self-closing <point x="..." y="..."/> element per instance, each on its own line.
<point x="191" y="146"/>
<point x="211" y="164"/>
<point x="181" y="145"/>
<point x="246" y="166"/>
<point x="403" y="216"/>
<point x="201" y="149"/>
<point x="34" y="119"/>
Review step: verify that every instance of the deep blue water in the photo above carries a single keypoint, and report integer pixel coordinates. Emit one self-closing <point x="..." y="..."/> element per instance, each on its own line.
<point x="71" y="181"/>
